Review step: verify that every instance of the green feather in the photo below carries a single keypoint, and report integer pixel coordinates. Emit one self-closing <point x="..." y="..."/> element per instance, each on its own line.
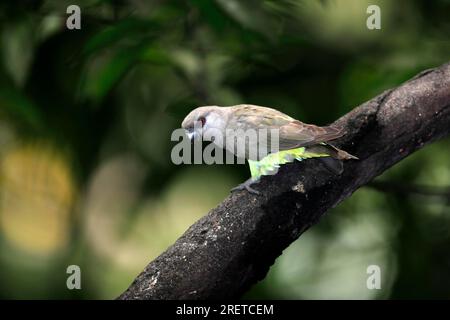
<point x="269" y="164"/>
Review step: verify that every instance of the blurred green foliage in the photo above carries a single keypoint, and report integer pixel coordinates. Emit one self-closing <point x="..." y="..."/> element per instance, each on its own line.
<point x="86" y="117"/>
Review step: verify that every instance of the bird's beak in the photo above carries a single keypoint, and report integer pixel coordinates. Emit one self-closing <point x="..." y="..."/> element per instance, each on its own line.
<point x="191" y="135"/>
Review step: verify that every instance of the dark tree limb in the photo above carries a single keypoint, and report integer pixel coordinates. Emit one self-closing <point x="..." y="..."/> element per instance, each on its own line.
<point x="233" y="246"/>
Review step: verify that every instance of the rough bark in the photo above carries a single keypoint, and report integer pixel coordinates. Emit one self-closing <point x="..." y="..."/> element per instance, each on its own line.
<point x="234" y="245"/>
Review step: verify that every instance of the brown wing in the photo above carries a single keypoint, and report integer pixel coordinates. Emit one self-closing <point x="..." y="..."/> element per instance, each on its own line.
<point x="292" y="134"/>
<point x="247" y="116"/>
<point x="298" y="134"/>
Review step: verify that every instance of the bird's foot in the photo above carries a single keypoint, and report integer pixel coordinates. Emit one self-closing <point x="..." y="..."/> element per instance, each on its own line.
<point x="247" y="186"/>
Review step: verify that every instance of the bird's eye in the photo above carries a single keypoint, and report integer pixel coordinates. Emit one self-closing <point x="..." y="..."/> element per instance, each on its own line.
<point x="202" y="120"/>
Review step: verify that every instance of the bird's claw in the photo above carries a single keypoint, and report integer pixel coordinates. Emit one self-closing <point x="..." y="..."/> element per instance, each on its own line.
<point x="246" y="185"/>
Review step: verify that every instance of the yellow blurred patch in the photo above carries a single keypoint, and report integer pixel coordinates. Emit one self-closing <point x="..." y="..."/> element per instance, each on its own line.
<point x="36" y="196"/>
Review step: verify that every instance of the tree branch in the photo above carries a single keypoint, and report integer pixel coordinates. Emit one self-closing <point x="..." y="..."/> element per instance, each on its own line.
<point x="233" y="246"/>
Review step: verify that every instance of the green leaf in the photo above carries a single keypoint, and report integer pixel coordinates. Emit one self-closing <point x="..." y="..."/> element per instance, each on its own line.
<point x="125" y="30"/>
<point x="14" y="105"/>
<point x="106" y="71"/>
<point x="251" y="15"/>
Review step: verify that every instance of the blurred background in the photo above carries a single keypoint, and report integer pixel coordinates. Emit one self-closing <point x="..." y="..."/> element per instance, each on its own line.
<point x="86" y="117"/>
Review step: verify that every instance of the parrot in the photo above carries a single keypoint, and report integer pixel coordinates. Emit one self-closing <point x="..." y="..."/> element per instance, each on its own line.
<point x="296" y="140"/>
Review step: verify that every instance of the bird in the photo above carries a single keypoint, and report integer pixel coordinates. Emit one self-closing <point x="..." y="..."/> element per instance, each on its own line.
<point x="296" y="140"/>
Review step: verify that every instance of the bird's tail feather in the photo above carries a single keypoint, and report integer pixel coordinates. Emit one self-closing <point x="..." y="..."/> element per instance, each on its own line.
<point x="341" y="154"/>
<point x="336" y="156"/>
